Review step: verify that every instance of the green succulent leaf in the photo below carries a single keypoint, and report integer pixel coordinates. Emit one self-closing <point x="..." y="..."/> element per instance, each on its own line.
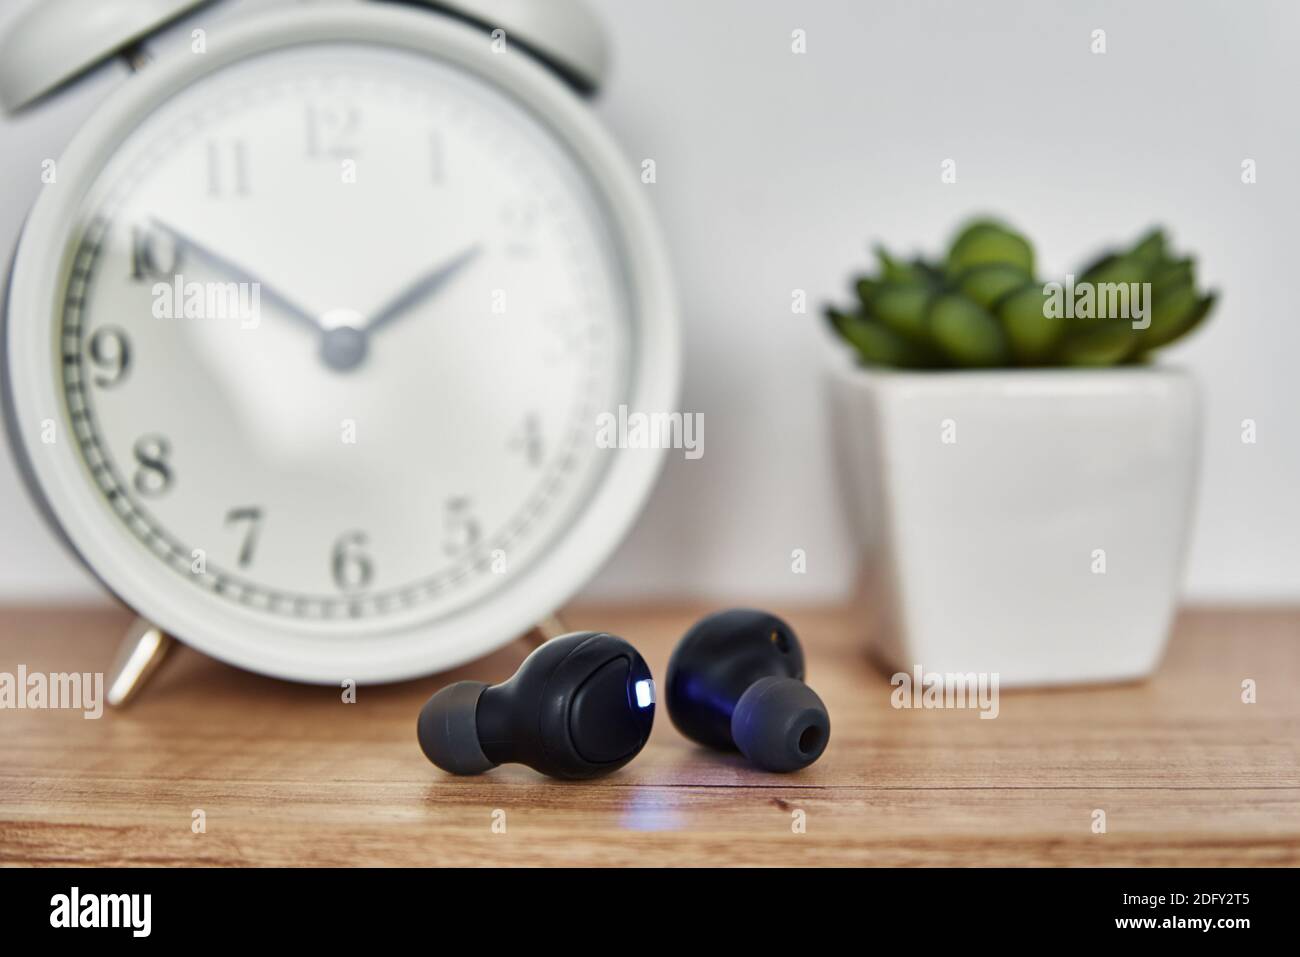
<point x="967" y="333"/>
<point x="897" y="271"/>
<point x="1202" y="311"/>
<point x="1152" y="248"/>
<point x="1033" y="334"/>
<point x="1106" y="345"/>
<point x="988" y="283"/>
<point x="902" y="308"/>
<point x="876" y="344"/>
<point x="1170" y="311"/>
<point x="985" y="241"/>
<point x="1111" y="287"/>
<point x="867" y="287"/>
<point x="931" y="274"/>
<point x="1172" y="275"/>
<point x="1119" y="269"/>
<point x="1175" y="316"/>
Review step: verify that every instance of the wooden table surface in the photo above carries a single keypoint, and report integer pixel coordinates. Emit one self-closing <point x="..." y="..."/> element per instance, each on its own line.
<point x="1186" y="773"/>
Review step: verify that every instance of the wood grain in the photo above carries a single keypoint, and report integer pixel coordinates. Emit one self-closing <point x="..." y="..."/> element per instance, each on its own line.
<point x="287" y="774"/>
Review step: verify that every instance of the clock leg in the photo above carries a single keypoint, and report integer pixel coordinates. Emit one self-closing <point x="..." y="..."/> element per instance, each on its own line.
<point x="549" y="627"/>
<point x="143" y="648"/>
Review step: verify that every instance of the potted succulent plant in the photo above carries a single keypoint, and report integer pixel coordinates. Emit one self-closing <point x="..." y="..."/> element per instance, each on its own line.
<point x="1020" y="475"/>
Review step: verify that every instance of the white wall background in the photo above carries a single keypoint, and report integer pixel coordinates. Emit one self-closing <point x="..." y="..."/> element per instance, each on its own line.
<point x="776" y="170"/>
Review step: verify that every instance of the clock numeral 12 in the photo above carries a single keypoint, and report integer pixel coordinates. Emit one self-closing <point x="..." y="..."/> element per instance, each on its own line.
<point x="332" y="130"/>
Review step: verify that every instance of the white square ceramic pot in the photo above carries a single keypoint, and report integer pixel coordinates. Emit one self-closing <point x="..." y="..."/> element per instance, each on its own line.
<point x="1029" y="523"/>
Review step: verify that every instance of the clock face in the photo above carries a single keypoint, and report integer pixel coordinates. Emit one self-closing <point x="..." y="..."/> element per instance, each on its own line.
<point x="336" y="329"/>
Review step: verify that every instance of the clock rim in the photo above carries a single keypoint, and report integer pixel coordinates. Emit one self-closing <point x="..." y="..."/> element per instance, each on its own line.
<point x="56" y="474"/>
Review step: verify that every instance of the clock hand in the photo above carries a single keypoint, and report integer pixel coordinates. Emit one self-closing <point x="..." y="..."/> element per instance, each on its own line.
<point x="423" y="287"/>
<point x="268" y="292"/>
<point x="344" y="346"/>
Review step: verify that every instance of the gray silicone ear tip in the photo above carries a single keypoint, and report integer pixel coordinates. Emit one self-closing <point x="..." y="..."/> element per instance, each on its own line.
<point x="780" y="724"/>
<point x="448" y="729"/>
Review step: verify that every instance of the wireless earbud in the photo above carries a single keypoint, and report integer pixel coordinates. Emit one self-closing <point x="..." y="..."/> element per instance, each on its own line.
<point x="579" y="706"/>
<point x="735" y="681"/>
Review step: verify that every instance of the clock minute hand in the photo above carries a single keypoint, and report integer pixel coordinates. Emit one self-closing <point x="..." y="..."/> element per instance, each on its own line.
<point x="423" y="287"/>
<point x="239" y="273"/>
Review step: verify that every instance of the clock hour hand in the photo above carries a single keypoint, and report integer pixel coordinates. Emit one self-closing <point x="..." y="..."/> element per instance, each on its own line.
<point x="423" y="287"/>
<point x="239" y="274"/>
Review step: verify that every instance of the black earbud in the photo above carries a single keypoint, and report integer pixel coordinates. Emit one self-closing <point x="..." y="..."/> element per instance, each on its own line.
<point x="735" y="681"/>
<point x="579" y="706"/>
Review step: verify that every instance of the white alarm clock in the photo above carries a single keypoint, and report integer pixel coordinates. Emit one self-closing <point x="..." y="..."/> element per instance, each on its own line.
<point x="380" y="461"/>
